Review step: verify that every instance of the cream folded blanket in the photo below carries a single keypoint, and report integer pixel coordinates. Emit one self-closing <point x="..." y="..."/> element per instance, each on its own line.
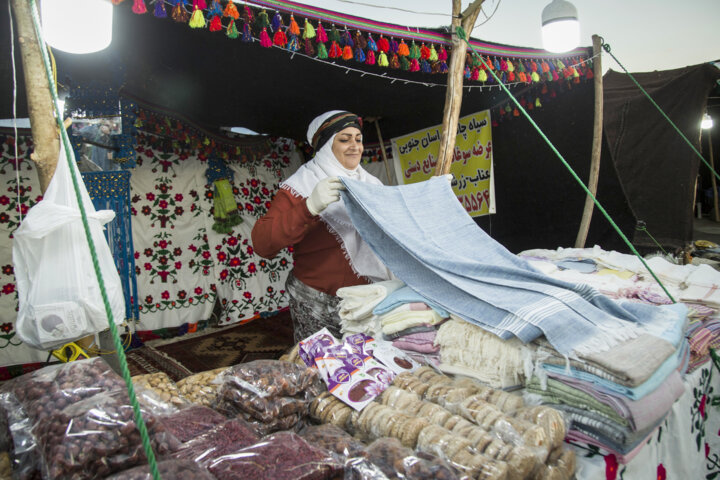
<point x="357" y="302"/>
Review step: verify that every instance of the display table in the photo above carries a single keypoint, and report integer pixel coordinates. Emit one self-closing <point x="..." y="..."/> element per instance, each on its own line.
<point x="685" y="446"/>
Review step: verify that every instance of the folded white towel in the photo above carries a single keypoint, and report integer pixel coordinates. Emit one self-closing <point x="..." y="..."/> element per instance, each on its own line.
<point x="357" y="302"/>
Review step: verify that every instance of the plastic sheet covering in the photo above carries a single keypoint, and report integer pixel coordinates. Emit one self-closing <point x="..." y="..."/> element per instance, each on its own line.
<point x="170" y="469"/>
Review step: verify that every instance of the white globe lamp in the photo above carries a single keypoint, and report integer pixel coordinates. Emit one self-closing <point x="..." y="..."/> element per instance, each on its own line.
<point x="560" y="26"/>
<point x="77" y="26"/>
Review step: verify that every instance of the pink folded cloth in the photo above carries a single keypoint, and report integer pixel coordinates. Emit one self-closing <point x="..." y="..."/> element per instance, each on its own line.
<point x="422" y="342"/>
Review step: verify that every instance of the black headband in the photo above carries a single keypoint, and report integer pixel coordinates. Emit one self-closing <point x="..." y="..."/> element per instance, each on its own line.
<point x="332" y="125"/>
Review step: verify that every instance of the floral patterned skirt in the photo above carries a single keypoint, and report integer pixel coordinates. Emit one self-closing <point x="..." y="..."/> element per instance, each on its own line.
<point x="311" y="309"/>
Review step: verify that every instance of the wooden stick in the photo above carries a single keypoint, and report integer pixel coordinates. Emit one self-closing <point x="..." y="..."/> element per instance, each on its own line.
<point x="45" y="133"/>
<point x="453" y="93"/>
<point x="596" y="145"/>
<point x="382" y="149"/>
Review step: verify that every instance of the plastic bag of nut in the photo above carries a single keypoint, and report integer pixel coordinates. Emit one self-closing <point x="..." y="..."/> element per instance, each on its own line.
<point x="332" y="438"/>
<point x="191" y="422"/>
<point x="396" y="461"/>
<point x="220" y="440"/>
<point x="280" y="455"/>
<point x="163" y="386"/>
<point x="54" y="387"/>
<point x="24" y="455"/>
<point x="200" y="388"/>
<point x="170" y="469"/>
<point x="96" y="437"/>
<point x="268" y="391"/>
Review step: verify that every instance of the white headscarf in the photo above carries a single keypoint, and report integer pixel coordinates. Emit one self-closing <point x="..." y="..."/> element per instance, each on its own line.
<point x="324" y="164"/>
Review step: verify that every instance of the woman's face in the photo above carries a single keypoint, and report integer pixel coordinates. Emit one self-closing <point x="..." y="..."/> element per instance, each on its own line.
<point x="348" y="147"/>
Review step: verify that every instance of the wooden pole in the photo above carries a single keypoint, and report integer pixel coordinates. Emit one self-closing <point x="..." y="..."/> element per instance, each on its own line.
<point x="596" y="145"/>
<point x="453" y="94"/>
<point x="44" y="127"/>
<point x="382" y="149"/>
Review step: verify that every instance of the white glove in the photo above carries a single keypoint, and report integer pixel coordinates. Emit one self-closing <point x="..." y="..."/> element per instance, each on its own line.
<point x="327" y="191"/>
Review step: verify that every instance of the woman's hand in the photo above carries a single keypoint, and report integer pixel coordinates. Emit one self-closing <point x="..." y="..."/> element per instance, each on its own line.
<point x="327" y="191"/>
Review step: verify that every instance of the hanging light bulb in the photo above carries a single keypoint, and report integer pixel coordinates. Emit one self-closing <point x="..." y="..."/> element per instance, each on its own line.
<point x="707" y="122"/>
<point x="77" y="26"/>
<point x="560" y="26"/>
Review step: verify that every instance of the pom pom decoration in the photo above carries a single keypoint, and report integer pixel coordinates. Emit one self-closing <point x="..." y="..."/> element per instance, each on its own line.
<point x="277" y="21"/>
<point x="293" y="44"/>
<point x="179" y="14"/>
<point x="232" y="31"/>
<point x="265" y="38"/>
<point x="360" y="40"/>
<point x="335" y="50"/>
<point x="443" y="66"/>
<point x="215" y="24"/>
<point x="510" y="66"/>
<point x="482" y="76"/>
<point x="215" y="9"/>
<point x="139" y="7"/>
<point x="537" y="103"/>
<point x="247" y="33"/>
<point x="261" y="21"/>
<point x="322" y="51"/>
<point x="371" y="45"/>
<point x="383" y="45"/>
<point x="395" y="61"/>
<point x="321" y="35"/>
<point x="160" y="11"/>
<point x="545" y="66"/>
<point x="370" y="58"/>
<point x="231" y="11"/>
<point x="496" y="65"/>
<point x="382" y="59"/>
<point x="280" y="39"/>
<point x="308" y="30"/>
<point x="511" y="76"/>
<point x="516" y="112"/>
<point x="589" y="74"/>
<point x="247" y="15"/>
<point x="404" y="63"/>
<point x="359" y="55"/>
<point x="334" y="35"/>
<point x="442" y="54"/>
<point x="403" y="49"/>
<point x="555" y="76"/>
<point x="198" y="19"/>
<point x="199" y="4"/>
<point x="293" y="29"/>
<point x="433" y="57"/>
<point x="535" y="77"/>
<point x="347" y="52"/>
<point x="414" y="51"/>
<point x="309" y="49"/>
<point x="475" y="73"/>
<point x="424" y="52"/>
<point x="467" y="73"/>
<point x="414" y="65"/>
<point x="394" y="46"/>
<point x="347" y="39"/>
<point x="425" y="66"/>
<point x="503" y="65"/>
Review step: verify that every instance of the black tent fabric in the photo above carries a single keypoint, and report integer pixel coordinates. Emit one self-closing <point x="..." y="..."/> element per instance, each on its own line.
<point x="656" y="168"/>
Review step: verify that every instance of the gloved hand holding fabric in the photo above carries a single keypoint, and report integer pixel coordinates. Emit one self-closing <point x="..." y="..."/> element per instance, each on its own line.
<point x="327" y="191"/>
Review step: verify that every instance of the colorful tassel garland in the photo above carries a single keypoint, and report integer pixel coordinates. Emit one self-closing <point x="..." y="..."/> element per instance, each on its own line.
<point x="516" y="112"/>
<point x="139" y="7"/>
<point x="231" y="11"/>
<point x="503" y="65"/>
<point x="160" y="11"/>
<point x="322" y="51"/>
<point x="247" y="15"/>
<point x="537" y="103"/>
<point x="308" y="30"/>
<point x="232" y="31"/>
<point x="334" y="35"/>
<point x="321" y="34"/>
<point x="442" y="54"/>
<point x="496" y="65"/>
<point x="475" y="73"/>
<point x="511" y="76"/>
<point x="199" y="4"/>
<point x="347" y="52"/>
<point x="383" y="45"/>
<point x="482" y="76"/>
<point x="395" y="61"/>
<point x="215" y="9"/>
<point x="382" y="59"/>
<point x="360" y="40"/>
<point x="265" y="39"/>
<point x="335" y="50"/>
<point x="414" y="65"/>
<point x="443" y="66"/>
<point x="510" y="66"/>
<point x="347" y="39"/>
<point x="293" y="44"/>
<point x="179" y="14"/>
<point x="424" y="52"/>
<point x="277" y="21"/>
<point x="247" y="33"/>
<point x="215" y="24"/>
<point x="261" y="21"/>
<point x="309" y="49"/>
<point x="294" y="28"/>
<point x="555" y="76"/>
<point x="535" y="77"/>
<point x="371" y="45"/>
<point x="225" y="209"/>
<point x="370" y="58"/>
<point x="404" y="63"/>
<point x="280" y="39"/>
<point x="359" y="55"/>
<point x="425" y="66"/>
<point x="395" y="46"/>
<point x="589" y="74"/>
<point x="198" y="19"/>
<point x="414" y="51"/>
<point x="467" y="73"/>
<point x="433" y="57"/>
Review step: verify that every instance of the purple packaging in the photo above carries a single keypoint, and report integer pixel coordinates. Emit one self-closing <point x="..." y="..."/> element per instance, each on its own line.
<point x="314" y="345"/>
<point x="364" y="342"/>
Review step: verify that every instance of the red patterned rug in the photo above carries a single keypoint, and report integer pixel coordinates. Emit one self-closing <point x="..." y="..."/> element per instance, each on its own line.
<point x="259" y="339"/>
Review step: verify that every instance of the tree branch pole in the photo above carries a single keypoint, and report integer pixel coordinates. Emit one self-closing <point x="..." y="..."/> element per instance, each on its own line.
<point x="44" y="127"/>
<point x="453" y="93"/>
<point x="376" y="120"/>
<point x="596" y="145"/>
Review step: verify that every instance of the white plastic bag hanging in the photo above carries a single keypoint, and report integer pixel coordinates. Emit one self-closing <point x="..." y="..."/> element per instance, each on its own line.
<point x="58" y="291"/>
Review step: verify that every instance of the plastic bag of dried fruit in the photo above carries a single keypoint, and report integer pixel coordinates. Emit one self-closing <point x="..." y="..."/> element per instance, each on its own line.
<point x="272" y="394"/>
<point x="25" y="458"/>
<point x="191" y="422"/>
<point x="200" y="388"/>
<point x="220" y="440"/>
<point x="171" y="469"/>
<point x="96" y="437"/>
<point x="397" y="461"/>
<point x="280" y="455"/>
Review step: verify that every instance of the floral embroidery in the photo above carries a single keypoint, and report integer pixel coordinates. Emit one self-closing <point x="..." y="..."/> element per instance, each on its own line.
<point x="611" y="467"/>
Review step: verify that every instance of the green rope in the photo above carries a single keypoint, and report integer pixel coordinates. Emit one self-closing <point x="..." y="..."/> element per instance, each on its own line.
<point x="108" y="310"/>
<point x="461" y="34"/>
<point x="642" y="228"/>
<point x="606" y="47"/>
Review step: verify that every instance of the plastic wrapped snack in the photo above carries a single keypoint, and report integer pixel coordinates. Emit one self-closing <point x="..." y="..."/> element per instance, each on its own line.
<point x="96" y="437"/>
<point x="163" y="386"/>
<point x="200" y="388"/>
<point x="53" y="388"/>
<point x="326" y="408"/>
<point x="549" y="419"/>
<point x="170" y="469"/>
<point x="191" y="422"/>
<point x="282" y="455"/>
<point x="225" y="438"/>
<point x="24" y="457"/>
<point x="332" y="438"/>
<point x="271" y="392"/>
<point x="397" y="461"/>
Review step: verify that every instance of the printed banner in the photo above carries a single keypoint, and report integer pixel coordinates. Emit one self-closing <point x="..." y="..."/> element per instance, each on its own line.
<point x="415" y="157"/>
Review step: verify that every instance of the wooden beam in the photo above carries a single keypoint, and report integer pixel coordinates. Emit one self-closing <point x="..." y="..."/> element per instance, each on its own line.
<point x="453" y="93"/>
<point x="382" y="149"/>
<point x="596" y="145"/>
<point x="46" y="138"/>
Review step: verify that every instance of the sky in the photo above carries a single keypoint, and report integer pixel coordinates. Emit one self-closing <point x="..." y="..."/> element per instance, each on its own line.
<point x="644" y="35"/>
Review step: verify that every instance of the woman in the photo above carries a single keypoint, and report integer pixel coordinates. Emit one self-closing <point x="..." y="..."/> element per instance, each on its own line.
<point x="308" y="213"/>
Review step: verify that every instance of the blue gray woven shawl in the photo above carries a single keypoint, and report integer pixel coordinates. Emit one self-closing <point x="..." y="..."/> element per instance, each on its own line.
<point x="424" y="236"/>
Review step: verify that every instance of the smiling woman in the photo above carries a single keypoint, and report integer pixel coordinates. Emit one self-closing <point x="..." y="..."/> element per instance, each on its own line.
<point x="309" y="214"/>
